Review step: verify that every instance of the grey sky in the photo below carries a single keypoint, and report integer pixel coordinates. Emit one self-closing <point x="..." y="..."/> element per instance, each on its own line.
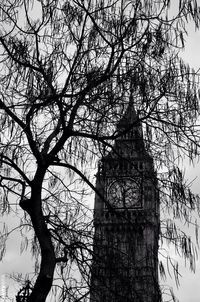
<point x="189" y="290"/>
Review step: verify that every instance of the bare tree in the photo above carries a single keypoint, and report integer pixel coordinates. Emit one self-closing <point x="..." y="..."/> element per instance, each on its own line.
<point x="67" y="71"/>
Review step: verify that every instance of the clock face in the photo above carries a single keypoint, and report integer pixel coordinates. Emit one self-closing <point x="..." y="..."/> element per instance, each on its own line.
<point x="125" y="192"/>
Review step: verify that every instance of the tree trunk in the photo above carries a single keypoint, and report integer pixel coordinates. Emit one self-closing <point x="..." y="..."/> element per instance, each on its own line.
<point x="45" y="278"/>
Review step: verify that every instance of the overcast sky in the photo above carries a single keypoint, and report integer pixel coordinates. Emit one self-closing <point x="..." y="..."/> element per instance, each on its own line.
<point x="189" y="290"/>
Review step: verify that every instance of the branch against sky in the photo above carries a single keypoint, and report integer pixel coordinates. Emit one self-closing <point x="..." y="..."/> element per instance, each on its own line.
<point x="68" y="71"/>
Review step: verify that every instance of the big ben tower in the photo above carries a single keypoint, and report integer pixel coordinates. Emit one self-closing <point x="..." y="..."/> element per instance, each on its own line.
<point x="126" y="221"/>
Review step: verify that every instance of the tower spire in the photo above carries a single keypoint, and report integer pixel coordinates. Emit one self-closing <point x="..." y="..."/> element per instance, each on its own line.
<point x="130" y="116"/>
<point x="129" y="129"/>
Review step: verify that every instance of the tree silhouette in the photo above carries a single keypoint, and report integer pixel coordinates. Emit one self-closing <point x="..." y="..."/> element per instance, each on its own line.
<point x="68" y="70"/>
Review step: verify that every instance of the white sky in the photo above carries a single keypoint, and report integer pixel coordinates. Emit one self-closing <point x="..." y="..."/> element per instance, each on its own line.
<point x="189" y="289"/>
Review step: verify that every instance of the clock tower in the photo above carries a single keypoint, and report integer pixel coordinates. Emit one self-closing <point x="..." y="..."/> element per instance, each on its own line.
<point x="126" y="220"/>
